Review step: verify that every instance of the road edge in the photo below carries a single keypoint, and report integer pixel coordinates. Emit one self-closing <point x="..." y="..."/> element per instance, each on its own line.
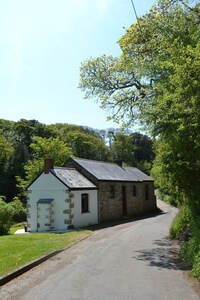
<point x="12" y="275"/>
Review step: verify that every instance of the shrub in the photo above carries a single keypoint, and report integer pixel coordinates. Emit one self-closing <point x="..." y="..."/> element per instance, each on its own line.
<point x="196" y="266"/>
<point x="167" y="197"/>
<point x="186" y="227"/>
<point x="181" y="223"/>
<point x="19" y="211"/>
<point x="190" y="252"/>
<point x="6" y="214"/>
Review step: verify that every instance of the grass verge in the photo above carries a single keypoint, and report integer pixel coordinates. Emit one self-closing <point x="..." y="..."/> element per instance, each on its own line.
<point x="18" y="250"/>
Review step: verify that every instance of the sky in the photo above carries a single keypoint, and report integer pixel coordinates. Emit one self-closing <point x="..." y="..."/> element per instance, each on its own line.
<point x="42" y="45"/>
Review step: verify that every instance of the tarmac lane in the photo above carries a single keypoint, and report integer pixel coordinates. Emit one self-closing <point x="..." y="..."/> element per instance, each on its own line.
<point x="129" y="261"/>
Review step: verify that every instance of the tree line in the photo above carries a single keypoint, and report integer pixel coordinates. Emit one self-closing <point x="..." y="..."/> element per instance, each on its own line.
<point x="25" y="144"/>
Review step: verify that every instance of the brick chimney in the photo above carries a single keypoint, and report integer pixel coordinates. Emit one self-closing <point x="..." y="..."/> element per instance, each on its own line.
<point x="48" y="164"/>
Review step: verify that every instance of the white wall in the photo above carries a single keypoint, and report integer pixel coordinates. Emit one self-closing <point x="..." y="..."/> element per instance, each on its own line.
<point x="47" y="186"/>
<point x="84" y="219"/>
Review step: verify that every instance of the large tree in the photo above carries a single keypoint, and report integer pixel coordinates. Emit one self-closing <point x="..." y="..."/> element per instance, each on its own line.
<point x="133" y="149"/>
<point x="42" y="148"/>
<point x="155" y="81"/>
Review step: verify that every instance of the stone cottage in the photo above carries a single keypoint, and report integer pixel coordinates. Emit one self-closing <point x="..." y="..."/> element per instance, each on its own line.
<point x="86" y="192"/>
<point x="122" y="191"/>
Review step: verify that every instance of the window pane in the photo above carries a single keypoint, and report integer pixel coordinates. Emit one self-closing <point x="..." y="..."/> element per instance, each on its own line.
<point x="84" y="203"/>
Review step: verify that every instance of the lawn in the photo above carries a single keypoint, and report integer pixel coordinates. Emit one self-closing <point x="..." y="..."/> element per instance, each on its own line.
<point x="18" y="250"/>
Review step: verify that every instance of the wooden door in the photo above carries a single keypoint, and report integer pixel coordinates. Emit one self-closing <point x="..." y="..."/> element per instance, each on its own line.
<point x="124" y="202"/>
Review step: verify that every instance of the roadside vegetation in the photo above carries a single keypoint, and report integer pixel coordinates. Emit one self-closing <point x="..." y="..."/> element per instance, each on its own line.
<point x="155" y="82"/>
<point x="20" y="249"/>
<point x="186" y="229"/>
<point x="10" y="213"/>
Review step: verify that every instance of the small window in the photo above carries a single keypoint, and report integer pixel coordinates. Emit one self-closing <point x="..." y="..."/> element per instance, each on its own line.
<point x="112" y="191"/>
<point x="146" y="192"/>
<point x="134" y="190"/>
<point x="84" y="203"/>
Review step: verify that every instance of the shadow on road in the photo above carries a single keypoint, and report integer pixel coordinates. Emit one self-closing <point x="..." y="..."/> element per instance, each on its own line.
<point x="125" y="220"/>
<point x="163" y="255"/>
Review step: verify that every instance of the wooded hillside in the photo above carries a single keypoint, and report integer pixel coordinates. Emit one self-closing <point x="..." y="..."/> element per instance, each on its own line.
<point x="25" y="144"/>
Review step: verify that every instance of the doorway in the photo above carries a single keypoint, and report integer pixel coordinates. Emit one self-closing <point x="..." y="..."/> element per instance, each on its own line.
<point x="124" y="202"/>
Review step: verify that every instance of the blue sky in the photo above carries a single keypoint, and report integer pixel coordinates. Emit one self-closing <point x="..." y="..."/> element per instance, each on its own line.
<point x="42" y="44"/>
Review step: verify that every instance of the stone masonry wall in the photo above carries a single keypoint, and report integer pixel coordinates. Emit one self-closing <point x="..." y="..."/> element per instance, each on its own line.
<point x="140" y="199"/>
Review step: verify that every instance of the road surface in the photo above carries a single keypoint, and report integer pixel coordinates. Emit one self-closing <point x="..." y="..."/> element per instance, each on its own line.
<point x="130" y="261"/>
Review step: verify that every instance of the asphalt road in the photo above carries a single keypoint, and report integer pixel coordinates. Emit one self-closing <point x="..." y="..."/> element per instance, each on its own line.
<point x="131" y="261"/>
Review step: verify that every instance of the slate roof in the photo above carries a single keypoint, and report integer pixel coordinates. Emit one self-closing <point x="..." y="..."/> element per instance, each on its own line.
<point x="111" y="171"/>
<point x="72" y="178"/>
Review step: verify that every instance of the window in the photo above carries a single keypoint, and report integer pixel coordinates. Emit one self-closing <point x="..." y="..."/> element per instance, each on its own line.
<point x="112" y="191"/>
<point x="84" y="203"/>
<point x="146" y="192"/>
<point x="134" y="190"/>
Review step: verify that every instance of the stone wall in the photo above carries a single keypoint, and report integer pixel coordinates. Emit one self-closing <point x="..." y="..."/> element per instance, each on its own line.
<point x="140" y="199"/>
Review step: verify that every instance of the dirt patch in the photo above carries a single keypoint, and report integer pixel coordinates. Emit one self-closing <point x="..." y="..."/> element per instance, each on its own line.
<point x="193" y="281"/>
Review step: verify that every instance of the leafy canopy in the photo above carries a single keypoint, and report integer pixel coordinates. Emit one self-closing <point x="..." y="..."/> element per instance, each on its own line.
<point x="156" y="52"/>
<point x="156" y="81"/>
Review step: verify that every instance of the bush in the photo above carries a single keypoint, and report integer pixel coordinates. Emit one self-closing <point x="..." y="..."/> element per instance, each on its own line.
<point x="166" y="197"/>
<point x="186" y="227"/>
<point x="181" y="224"/>
<point x="19" y="211"/>
<point x="6" y="214"/>
<point x="190" y="252"/>
<point x="196" y="266"/>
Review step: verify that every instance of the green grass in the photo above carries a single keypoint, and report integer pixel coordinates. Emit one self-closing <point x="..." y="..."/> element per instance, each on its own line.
<point x="18" y="250"/>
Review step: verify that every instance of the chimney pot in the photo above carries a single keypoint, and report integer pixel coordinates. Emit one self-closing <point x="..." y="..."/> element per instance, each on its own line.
<point x="48" y="164"/>
<point x="118" y="162"/>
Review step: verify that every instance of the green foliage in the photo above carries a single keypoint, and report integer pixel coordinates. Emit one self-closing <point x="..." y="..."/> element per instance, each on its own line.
<point x="116" y="88"/>
<point x="156" y="82"/>
<point x="122" y="147"/>
<point x="18" y="135"/>
<point x="181" y="223"/>
<point x="186" y="228"/>
<point x="6" y="153"/>
<point x="6" y="149"/>
<point x="6" y="215"/>
<point x="32" y="170"/>
<point x="166" y="197"/>
<point x="25" y="144"/>
<point x="190" y="252"/>
<point x="87" y="145"/>
<point x="19" y="211"/>
<point x="50" y="147"/>
<point x="42" y="148"/>
<point x="133" y="149"/>
<point x="84" y="142"/>
<point x="196" y="266"/>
